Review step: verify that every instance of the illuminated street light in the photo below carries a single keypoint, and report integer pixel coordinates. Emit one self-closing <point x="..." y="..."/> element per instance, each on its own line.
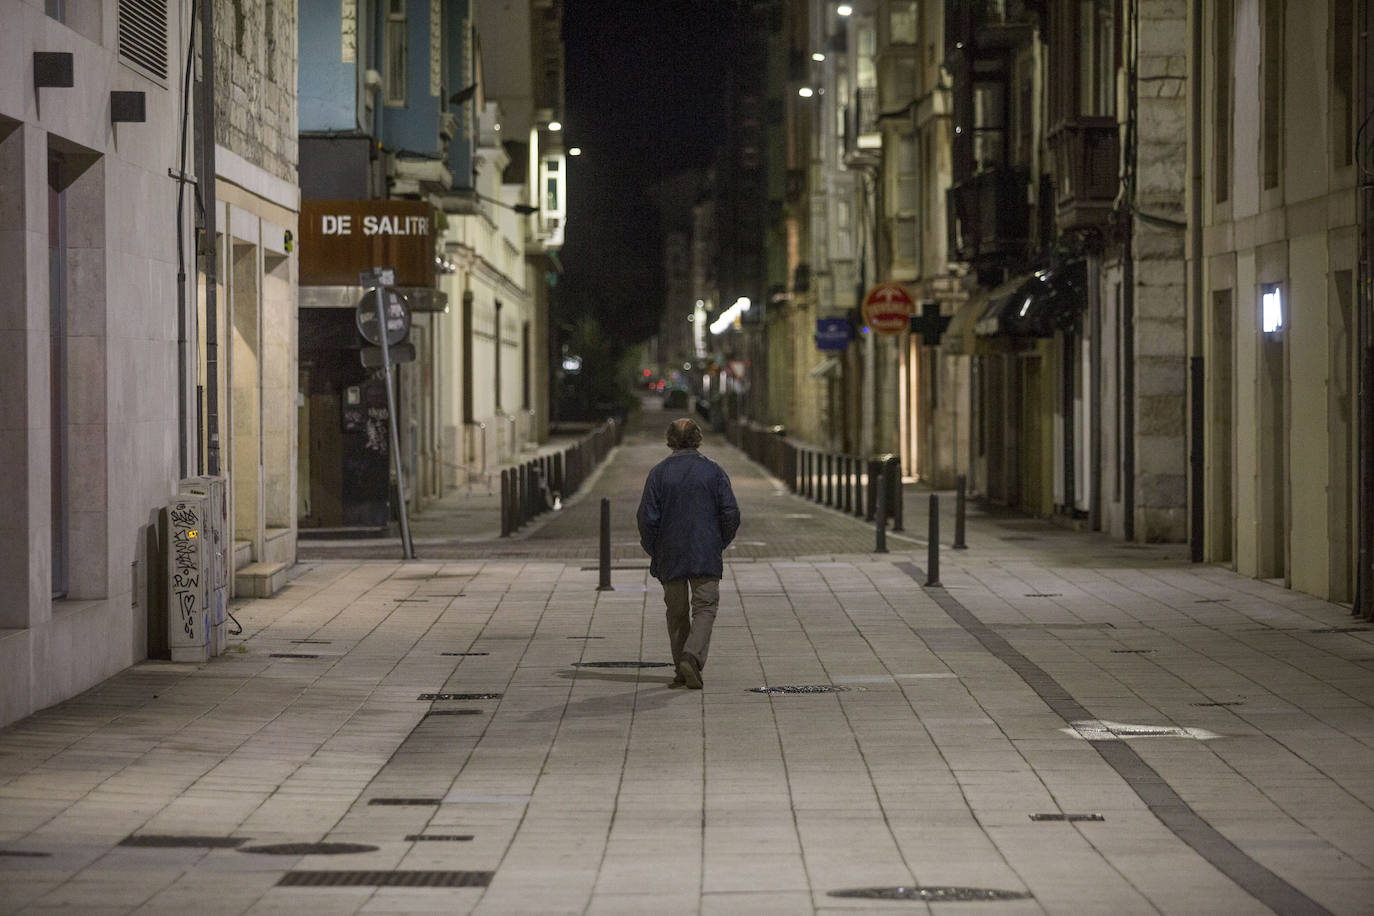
<point x="575" y="151"/>
<point x="555" y="126"/>
<point x="844" y="9"/>
<point x="817" y="56"/>
<point x="806" y="92"/>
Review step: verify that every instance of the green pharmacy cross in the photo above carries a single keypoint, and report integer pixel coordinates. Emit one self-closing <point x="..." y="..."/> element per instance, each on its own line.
<point x="930" y="324"/>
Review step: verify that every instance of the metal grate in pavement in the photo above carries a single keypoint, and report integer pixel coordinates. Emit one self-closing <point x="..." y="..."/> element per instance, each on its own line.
<point x="291" y="655"/>
<point x="1344" y="630"/>
<point x="1212" y="600"/>
<point x="459" y="696"/>
<point x="586" y="637"/>
<point x="1132" y="651"/>
<point x="456" y="654"/>
<point x="630" y="568"/>
<point x="1067" y="817"/>
<point x="1044" y="595"/>
<point x="385" y="879"/>
<point x="930" y="894"/>
<point x="24" y="854"/>
<point x="404" y="801"/>
<point x="454" y="712"/>
<point x="166" y="841"/>
<point x="1221" y="703"/>
<point x="439" y="837"/>
<point x="785" y="689"/>
<point x="622" y="664"/>
<point x="309" y="849"/>
<point x="312" y="642"/>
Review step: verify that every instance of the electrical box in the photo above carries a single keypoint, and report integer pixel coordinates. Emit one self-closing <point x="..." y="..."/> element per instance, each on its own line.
<point x="215" y="490"/>
<point x="197" y="574"/>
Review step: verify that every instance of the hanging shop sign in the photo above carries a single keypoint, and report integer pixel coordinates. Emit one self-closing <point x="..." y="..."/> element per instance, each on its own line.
<point x="832" y="333"/>
<point x="888" y="308"/>
<point x="340" y="238"/>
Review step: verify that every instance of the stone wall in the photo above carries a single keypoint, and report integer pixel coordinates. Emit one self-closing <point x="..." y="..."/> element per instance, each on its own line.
<point x="255" y="82"/>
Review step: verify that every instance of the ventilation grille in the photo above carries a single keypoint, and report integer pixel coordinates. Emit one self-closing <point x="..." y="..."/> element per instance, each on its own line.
<point x="143" y="34"/>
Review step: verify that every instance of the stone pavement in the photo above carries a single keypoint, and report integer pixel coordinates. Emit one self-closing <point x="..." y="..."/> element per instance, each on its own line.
<point x="453" y="722"/>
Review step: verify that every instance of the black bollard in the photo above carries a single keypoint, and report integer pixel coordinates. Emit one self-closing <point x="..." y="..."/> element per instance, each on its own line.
<point x="959" y="515"/>
<point x="880" y="522"/>
<point x="933" y="550"/>
<point x="894" y="470"/>
<point x="505" y="504"/>
<point x="605" y="584"/>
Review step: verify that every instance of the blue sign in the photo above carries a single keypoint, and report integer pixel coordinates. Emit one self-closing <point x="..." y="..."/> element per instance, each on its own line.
<point x="832" y="333"/>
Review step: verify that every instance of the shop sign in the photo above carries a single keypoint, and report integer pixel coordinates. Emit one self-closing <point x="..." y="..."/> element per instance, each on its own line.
<point x="888" y="307"/>
<point x="340" y="238"/>
<point x="832" y="333"/>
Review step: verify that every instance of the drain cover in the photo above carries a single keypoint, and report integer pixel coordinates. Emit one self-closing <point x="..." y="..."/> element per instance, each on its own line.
<point x="929" y="894"/>
<point x="309" y="849"/>
<point x="162" y="841"/>
<point x="1225" y="703"/>
<point x="439" y="837"/>
<point x="1212" y="600"/>
<point x="1344" y="630"/>
<point x="586" y="637"/>
<point x="464" y="653"/>
<point x="454" y="712"/>
<point x="404" y="801"/>
<point x="622" y="664"/>
<point x="459" y="696"/>
<point x="290" y="655"/>
<point x="385" y="879"/>
<point x="1044" y="595"/>
<point x="312" y="642"/>
<point x="24" y="854"/>
<point x="1100" y="730"/>
<point x="799" y="688"/>
<point x="1132" y="651"/>
<point x="1067" y="817"/>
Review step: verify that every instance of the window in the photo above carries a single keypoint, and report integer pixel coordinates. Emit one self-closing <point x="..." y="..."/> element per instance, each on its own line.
<point x="1097" y="63"/>
<point x="395" y="49"/>
<point x="1342" y="82"/>
<point x="908" y="177"/>
<point x="1271" y="309"/>
<point x="142" y="34"/>
<point x="1273" y="92"/>
<point x="902" y="23"/>
<point x="57" y="371"/>
<point x="1222" y="93"/>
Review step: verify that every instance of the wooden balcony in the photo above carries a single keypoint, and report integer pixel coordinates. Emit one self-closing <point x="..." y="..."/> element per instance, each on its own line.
<point x="1087" y="160"/>
<point x="988" y="217"/>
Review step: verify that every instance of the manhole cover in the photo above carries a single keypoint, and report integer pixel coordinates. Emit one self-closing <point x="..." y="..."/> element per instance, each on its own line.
<point x="1067" y="817"/>
<point x="291" y="655"/>
<point x="309" y="849"/>
<point x="1132" y="651"/>
<point x="1344" y="630"/>
<point x="163" y="841"/>
<point x="464" y="653"/>
<point x="404" y="801"/>
<point x="622" y="664"/>
<point x="930" y="894"/>
<point x="454" y="712"/>
<point x="459" y="696"/>
<point x="1044" y="595"/>
<point x="781" y="689"/>
<point x="24" y="854"/>
<point x="438" y="837"/>
<point x="385" y="879"/>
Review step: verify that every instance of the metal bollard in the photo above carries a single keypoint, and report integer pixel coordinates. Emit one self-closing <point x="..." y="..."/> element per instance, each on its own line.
<point x="605" y="584"/>
<point x="894" y="471"/>
<point x="859" y="496"/>
<point x="875" y="486"/>
<point x="959" y="515"/>
<point x="505" y="504"/>
<point x="933" y="549"/>
<point x="829" y="479"/>
<point x="880" y="522"/>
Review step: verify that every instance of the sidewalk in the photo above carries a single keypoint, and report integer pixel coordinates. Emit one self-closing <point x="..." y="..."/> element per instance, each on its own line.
<point x="479" y="730"/>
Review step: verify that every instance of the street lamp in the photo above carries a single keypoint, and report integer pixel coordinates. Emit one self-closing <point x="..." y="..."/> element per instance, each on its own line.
<point x="525" y="209"/>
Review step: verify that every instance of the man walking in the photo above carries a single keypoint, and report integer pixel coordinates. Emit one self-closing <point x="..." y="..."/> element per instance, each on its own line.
<point x="687" y="517"/>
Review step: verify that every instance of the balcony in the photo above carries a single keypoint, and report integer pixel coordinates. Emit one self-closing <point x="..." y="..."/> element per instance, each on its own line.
<point x="1086" y="154"/>
<point x="988" y="217"/>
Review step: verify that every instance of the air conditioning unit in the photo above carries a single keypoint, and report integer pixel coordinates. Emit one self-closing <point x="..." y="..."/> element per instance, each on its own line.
<point x="197" y="569"/>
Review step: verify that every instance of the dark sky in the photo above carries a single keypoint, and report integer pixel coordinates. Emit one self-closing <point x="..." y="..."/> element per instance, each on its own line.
<point x="643" y="97"/>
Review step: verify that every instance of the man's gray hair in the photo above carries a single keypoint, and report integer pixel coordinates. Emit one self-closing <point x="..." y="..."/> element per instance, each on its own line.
<point x="684" y="433"/>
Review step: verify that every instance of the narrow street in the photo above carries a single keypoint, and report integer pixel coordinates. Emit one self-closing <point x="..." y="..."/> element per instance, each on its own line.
<point x="1066" y="726"/>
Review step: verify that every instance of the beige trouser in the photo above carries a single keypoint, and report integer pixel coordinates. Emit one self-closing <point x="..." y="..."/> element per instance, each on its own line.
<point x="690" y="621"/>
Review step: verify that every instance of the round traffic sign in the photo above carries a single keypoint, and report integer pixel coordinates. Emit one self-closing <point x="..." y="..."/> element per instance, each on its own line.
<point x="397" y="318"/>
<point x="888" y="308"/>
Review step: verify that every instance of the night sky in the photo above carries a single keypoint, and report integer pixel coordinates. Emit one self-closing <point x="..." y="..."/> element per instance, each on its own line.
<point x="643" y="97"/>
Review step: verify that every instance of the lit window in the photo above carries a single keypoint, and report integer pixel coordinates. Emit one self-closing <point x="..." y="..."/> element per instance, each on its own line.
<point x="1271" y="309"/>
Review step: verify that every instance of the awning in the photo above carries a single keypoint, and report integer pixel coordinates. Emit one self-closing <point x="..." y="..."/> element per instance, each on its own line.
<point x="830" y="366"/>
<point x="1038" y="305"/>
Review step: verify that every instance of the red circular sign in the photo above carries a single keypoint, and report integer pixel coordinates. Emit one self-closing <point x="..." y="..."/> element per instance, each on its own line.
<point x="888" y="308"/>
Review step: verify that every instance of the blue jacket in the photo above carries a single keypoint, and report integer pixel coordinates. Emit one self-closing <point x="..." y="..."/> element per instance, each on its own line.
<point x="687" y="517"/>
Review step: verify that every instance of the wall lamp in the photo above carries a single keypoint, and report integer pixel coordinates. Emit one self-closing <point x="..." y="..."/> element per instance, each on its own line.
<point x="462" y="95"/>
<point x="525" y="209"/>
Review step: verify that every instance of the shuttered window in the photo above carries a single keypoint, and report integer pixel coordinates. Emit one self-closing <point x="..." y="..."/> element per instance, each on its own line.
<point x="143" y="35"/>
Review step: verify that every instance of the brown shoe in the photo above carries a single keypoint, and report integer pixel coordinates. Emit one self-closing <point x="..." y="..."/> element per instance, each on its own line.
<point x="690" y="672"/>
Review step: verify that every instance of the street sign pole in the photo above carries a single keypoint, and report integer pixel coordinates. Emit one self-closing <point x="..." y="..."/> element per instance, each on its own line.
<point x="383" y="278"/>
